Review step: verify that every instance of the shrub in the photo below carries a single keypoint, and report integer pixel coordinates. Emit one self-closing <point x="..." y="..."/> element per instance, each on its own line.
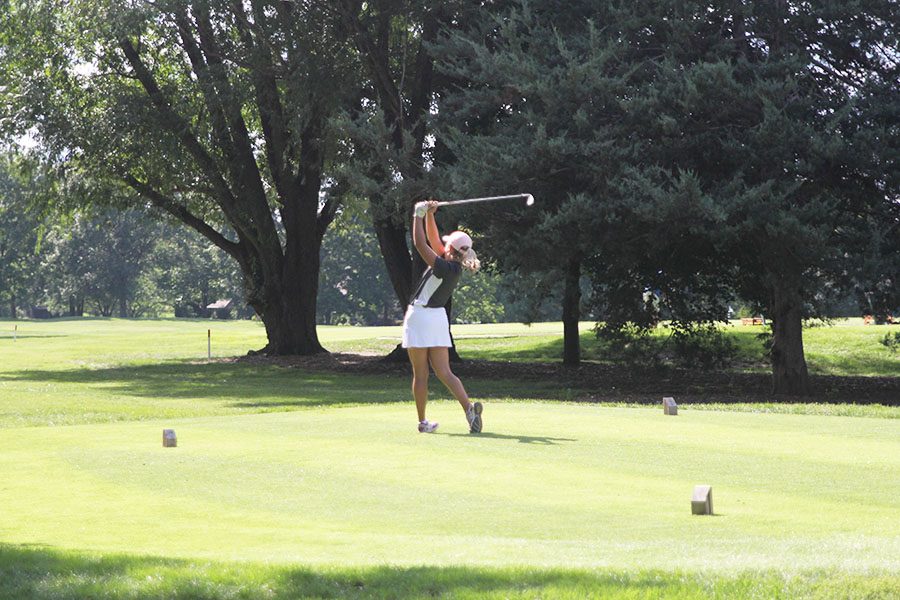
<point x="891" y="341"/>
<point x="630" y="344"/>
<point x="702" y="346"/>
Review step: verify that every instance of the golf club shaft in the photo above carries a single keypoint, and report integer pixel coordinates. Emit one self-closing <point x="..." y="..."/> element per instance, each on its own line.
<point x="485" y="199"/>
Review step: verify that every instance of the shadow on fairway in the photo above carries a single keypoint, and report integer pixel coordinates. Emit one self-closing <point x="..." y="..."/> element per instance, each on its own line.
<point x="25" y="336"/>
<point x="522" y="439"/>
<point x="250" y="386"/>
<point x="43" y="573"/>
<point x="241" y="386"/>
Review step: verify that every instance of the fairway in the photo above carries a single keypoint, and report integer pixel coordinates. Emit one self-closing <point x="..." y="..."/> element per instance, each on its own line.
<point x="289" y="482"/>
<point x="548" y="485"/>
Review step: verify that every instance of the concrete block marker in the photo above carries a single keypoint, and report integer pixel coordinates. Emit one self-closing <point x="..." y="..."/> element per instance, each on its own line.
<point x="701" y="501"/>
<point x="669" y="406"/>
<point x="169" y="439"/>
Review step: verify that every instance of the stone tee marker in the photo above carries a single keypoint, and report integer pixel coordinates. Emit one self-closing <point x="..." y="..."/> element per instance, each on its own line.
<point x="669" y="406"/>
<point x="701" y="502"/>
<point x="169" y="439"/>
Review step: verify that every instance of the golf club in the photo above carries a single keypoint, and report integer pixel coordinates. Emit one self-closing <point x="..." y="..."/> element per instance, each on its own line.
<point x="529" y="199"/>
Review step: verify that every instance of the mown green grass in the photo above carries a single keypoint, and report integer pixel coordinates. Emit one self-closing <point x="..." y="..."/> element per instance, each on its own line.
<point x="290" y="483"/>
<point x="100" y="370"/>
<point x="69" y="575"/>
<point x="548" y="486"/>
<point x="847" y="347"/>
<point x="66" y="372"/>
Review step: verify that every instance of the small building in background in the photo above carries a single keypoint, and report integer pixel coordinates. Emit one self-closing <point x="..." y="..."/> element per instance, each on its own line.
<point x="40" y="312"/>
<point x="220" y="309"/>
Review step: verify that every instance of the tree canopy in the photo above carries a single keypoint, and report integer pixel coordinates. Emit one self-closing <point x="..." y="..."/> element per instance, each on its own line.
<point x="683" y="154"/>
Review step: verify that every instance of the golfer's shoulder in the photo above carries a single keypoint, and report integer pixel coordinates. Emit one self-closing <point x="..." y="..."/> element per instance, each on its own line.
<point x="443" y="267"/>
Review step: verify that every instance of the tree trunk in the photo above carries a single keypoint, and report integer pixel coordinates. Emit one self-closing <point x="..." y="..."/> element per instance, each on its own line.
<point x="392" y="242"/>
<point x="401" y="270"/>
<point x="73" y="306"/>
<point x="13" y="309"/>
<point x="288" y="311"/>
<point x="285" y="298"/>
<point x="571" y="313"/>
<point x="789" y="373"/>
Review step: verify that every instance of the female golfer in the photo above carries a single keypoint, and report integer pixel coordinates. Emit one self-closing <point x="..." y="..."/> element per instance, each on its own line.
<point x="426" y="331"/>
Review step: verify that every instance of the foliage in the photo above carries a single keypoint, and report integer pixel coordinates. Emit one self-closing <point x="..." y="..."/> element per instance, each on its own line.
<point x="698" y="346"/>
<point x="187" y="273"/>
<point x="99" y="258"/>
<point x="539" y="112"/>
<point x="353" y="284"/>
<point x="477" y="299"/>
<point x="20" y="240"/>
<point x="891" y="341"/>
<point x="630" y="345"/>
<point x="789" y="153"/>
<point x="214" y="112"/>
<point x="702" y="346"/>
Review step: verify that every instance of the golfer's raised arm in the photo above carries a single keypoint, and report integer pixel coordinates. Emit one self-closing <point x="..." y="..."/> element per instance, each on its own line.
<point x="434" y="236"/>
<point x="418" y="234"/>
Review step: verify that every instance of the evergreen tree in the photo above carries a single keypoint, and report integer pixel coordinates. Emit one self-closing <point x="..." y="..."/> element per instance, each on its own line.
<point x="783" y="112"/>
<point x="540" y="111"/>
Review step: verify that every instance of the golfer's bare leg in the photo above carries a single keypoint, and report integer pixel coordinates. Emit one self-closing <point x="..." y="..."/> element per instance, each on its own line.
<point x="440" y="362"/>
<point x="419" y="359"/>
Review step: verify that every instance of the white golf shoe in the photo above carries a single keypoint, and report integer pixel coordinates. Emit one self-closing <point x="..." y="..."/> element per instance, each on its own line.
<point x="427" y="427"/>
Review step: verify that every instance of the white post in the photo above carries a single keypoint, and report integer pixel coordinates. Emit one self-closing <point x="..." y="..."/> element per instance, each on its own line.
<point x="15" y="333"/>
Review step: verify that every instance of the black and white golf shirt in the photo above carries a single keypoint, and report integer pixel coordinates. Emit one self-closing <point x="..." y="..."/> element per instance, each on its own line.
<point x="437" y="283"/>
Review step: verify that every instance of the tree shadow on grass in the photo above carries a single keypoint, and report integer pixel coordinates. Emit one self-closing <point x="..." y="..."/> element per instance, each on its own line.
<point x="25" y="336"/>
<point x="254" y="386"/>
<point x="242" y="386"/>
<point x="42" y="573"/>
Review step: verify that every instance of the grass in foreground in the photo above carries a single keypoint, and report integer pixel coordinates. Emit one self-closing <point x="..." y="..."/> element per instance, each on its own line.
<point x="45" y="574"/>
<point x="581" y="501"/>
<point x="553" y="485"/>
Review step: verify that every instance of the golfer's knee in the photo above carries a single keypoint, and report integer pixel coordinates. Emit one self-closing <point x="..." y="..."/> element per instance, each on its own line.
<point x="444" y="374"/>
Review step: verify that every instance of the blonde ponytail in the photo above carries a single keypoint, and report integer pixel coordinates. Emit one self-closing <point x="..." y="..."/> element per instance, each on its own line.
<point x="470" y="261"/>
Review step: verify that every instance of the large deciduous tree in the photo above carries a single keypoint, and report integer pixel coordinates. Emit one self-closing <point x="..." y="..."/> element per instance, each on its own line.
<point x="214" y="111"/>
<point x="394" y="143"/>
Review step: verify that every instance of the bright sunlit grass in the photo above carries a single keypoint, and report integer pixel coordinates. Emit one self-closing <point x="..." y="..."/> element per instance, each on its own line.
<point x="289" y="483"/>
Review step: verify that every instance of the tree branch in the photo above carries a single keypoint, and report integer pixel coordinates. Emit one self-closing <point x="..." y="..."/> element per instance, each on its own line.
<point x="207" y="85"/>
<point x="244" y="162"/>
<point x="181" y="213"/>
<point x="376" y="56"/>
<point x="182" y="130"/>
<point x="271" y="112"/>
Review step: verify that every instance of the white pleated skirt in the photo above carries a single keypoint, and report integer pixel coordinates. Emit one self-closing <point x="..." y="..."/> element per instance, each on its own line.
<point x="425" y="327"/>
